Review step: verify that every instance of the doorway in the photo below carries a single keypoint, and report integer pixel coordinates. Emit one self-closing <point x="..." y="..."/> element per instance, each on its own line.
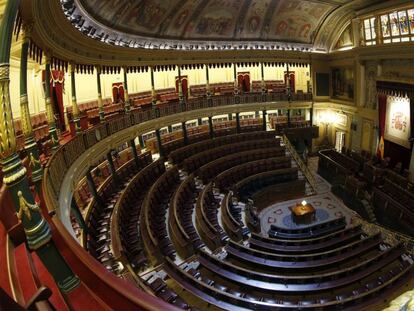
<point x="339" y="140"/>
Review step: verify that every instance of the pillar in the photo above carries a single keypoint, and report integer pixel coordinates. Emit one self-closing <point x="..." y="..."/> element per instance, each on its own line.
<point x="208" y="93"/>
<point x="75" y="108"/>
<point x="210" y="126"/>
<point x="29" y="140"/>
<point x="311" y="88"/>
<point x="169" y="128"/>
<point x="141" y="142"/>
<point x="78" y="215"/>
<point x="230" y="116"/>
<point x="288" y="88"/>
<point x="264" y="124"/>
<point x="92" y="185"/>
<point x="199" y="121"/>
<point x="49" y="107"/>
<point x="356" y="31"/>
<point x="36" y="228"/>
<point x="238" y="127"/>
<point x="288" y="117"/>
<point x="134" y="152"/>
<point x="263" y="80"/>
<point x="100" y="103"/>
<point x="236" y="85"/>
<point x="180" y="90"/>
<point x="185" y="134"/>
<point x="111" y="165"/>
<point x="153" y="93"/>
<point x="377" y="27"/>
<point x="127" y="104"/>
<point x="159" y="142"/>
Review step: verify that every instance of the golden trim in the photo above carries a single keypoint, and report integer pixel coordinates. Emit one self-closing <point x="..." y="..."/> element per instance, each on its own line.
<point x="15" y="176"/>
<point x="36" y="228"/>
<point x="25" y="208"/>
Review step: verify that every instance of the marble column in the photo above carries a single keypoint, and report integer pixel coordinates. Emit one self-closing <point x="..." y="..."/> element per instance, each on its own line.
<point x="49" y="107"/>
<point x="238" y="127"/>
<point x="263" y="79"/>
<point x="111" y="165"/>
<point x="153" y="93"/>
<point x="159" y="142"/>
<point x="36" y="228"/>
<point x="185" y="134"/>
<point x="99" y="87"/>
<point x="29" y="139"/>
<point x="134" y="152"/>
<point x="180" y="90"/>
<point x="208" y="93"/>
<point x="264" y="123"/>
<point x="127" y="104"/>
<point x="75" y="108"/>
<point x="210" y="126"/>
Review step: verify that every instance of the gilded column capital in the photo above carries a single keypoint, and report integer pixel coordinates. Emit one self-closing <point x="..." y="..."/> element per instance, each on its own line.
<point x="27" y="31"/>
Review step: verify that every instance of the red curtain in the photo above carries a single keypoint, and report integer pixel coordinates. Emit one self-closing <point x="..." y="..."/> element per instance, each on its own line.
<point x="243" y="81"/>
<point x="118" y="92"/>
<point x="292" y="80"/>
<point x="184" y="84"/>
<point x="57" y="86"/>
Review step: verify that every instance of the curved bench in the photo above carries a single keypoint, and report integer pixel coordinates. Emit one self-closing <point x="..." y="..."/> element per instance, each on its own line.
<point x="183" y="233"/>
<point x="304" y="246"/>
<point x="310" y="231"/>
<point x="206" y="219"/>
<point x="210" y="170"/>
<point x="179" y="155"/>
<point x="302" y="261"/>
<point x="231" y="176"/>
<point x="126" y="242"/>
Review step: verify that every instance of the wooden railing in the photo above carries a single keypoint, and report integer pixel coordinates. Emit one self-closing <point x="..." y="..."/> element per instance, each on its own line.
<point x="302" y="166"/>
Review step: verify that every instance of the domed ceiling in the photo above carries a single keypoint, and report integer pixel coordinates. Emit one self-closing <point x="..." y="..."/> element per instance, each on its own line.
<point x="284" y="20"/>
<point x="201" y="23"/>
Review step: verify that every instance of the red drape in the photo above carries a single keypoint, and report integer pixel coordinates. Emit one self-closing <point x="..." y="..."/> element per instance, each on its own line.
<point x="57" y="85"/>
<point x="243" y="81"/>
<point x="118" y="92"/>
<point x="184" y="84"/>
<point x="292" y="80"/>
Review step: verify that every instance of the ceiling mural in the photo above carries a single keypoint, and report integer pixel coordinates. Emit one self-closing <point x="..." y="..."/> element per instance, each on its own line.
<point x="281" y="20"/>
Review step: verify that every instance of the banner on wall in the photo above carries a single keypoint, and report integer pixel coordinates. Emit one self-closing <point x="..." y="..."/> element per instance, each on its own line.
<point x="398" y="121"/>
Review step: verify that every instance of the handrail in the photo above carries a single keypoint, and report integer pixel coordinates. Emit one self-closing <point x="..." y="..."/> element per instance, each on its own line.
<point x="302" y="166"/>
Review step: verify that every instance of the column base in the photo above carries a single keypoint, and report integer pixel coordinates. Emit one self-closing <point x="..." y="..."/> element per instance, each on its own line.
<point x="78" y="128"/>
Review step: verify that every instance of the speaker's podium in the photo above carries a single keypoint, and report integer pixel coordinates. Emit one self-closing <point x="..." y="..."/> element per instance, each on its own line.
<point x="303" y="213"/>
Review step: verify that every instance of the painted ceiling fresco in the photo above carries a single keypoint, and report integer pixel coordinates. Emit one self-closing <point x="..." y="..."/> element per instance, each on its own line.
<point x="279" y="20"/>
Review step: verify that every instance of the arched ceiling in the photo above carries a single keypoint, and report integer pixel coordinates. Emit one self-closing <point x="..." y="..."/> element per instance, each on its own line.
<point x="207" y="24"/>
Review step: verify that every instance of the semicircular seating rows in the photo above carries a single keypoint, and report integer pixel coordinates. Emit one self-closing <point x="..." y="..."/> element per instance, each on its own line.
<point x="184" y="230"/>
